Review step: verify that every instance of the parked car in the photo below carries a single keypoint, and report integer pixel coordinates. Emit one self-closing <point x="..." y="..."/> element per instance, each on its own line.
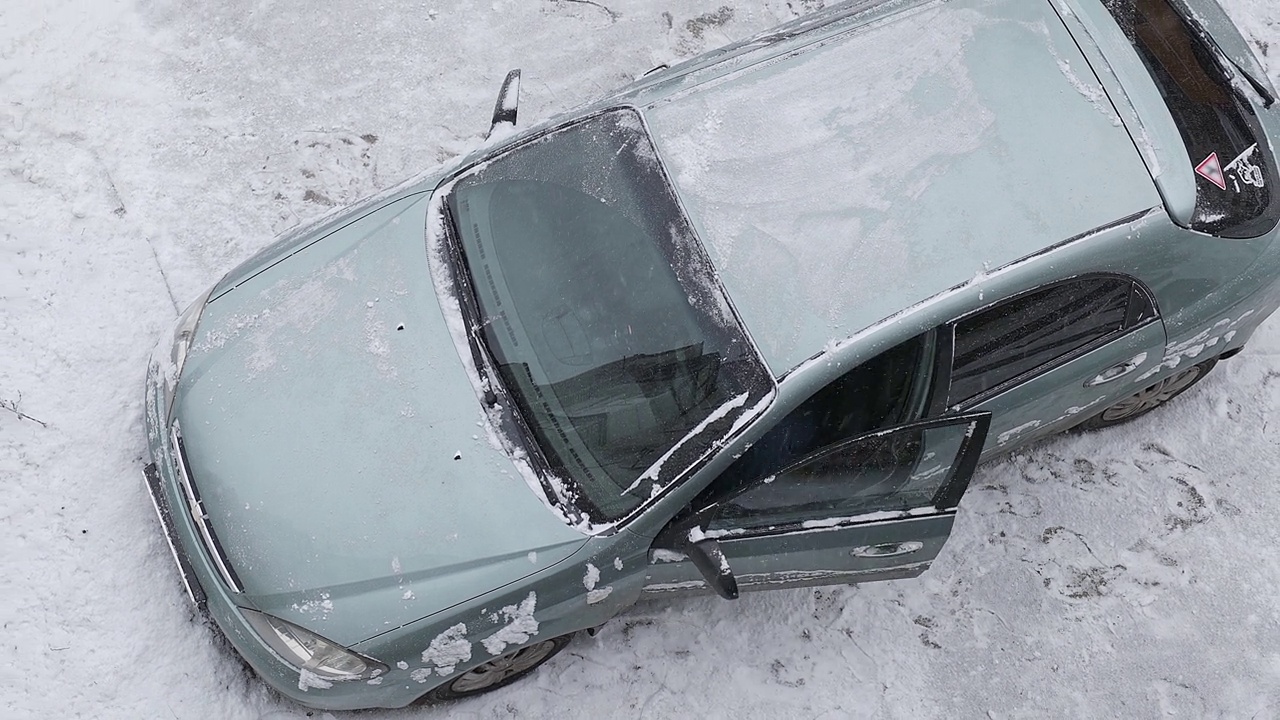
<point x="751" y="322"/>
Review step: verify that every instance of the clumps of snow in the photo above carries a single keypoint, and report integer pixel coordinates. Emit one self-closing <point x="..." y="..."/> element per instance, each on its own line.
<point x="446" y="651"/>
<point x="660" y="555"/>
<point x="727" y="532"/>
<point x="318" y="609"/>
<point x="533" y="557"/>
<point x="674" y="586"/>
<point x="408" y="595"/>
<point x="591" y="578"/>
<point x="395" y="565"/>
<point x="835" y="521"/>
<point x="617" y="563"/>
<point x="880" y="516"/>
<point x="308" y="680"/>
<point x="1191" y="348"/>
<point x="520" y="626"/>
<point x="402" y="665"/>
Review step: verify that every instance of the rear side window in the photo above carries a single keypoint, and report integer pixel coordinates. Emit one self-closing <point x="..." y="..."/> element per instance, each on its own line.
<point x="1034" y="330"/>
<point x="1235" y="172"/>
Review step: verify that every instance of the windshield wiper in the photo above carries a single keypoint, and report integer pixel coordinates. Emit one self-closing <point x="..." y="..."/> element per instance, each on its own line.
<point x="1229" y="66"/>
<point x="1258" y="86"/>
<point x="486" y="365"/>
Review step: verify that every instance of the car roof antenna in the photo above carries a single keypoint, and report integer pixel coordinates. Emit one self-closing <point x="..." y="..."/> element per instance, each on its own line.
<point x="504" y="111"/>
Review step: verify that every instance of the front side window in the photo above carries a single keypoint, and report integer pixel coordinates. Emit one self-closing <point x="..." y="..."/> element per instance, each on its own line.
<point x="599" y="311"/>
<point x="1235" y="172"/>
<point x="894" y="470"/>
<point x="1016" y="337"/>
<point x="885" y="391"/>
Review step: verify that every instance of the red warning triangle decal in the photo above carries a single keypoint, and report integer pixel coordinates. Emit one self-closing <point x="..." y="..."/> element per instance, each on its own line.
<point x="1211" y="170"/>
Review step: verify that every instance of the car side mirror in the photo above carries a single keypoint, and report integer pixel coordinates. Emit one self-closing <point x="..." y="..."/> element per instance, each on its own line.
<point x="707" y="556"/>
<point x="505" y="110"/>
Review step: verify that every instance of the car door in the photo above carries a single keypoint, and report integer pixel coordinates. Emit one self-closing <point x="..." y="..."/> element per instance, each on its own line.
<point x="1049" y="358"/>
<point x="877" y="507"/>
<point x="851" y="485"/>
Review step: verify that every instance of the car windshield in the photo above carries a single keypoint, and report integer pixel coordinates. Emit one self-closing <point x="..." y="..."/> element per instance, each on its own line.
<point x="1234" y="168"/>
<point x="600" y="312"/>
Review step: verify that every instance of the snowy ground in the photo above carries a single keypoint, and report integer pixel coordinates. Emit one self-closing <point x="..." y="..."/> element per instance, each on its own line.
<point x="146" y="147"/>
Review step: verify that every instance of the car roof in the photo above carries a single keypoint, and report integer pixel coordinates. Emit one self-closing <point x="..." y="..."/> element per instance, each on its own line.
<point x="836" y="179"/>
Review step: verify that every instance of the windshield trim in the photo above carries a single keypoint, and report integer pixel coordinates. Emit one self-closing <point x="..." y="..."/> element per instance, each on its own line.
<point x="575" y="507"/>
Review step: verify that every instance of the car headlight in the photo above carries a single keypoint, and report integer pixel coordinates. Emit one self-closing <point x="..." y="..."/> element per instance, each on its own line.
<point x="169" y="360"/>
<point x="311" y="652"/>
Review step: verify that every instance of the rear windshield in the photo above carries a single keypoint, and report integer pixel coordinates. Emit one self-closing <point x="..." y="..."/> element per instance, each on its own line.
<point x="1235" y="171"/>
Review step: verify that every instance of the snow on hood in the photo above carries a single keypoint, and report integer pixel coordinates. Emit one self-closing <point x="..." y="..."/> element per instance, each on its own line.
<point x="337" y="441"/>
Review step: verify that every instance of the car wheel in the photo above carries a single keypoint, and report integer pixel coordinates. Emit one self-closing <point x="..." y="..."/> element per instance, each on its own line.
<point x="498" y="672"/>
<point x="1141" y="403"/>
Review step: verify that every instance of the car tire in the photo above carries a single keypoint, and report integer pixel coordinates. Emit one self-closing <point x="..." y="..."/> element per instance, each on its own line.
<point x="1141" y="403"/>
<point x="498" y="672"/>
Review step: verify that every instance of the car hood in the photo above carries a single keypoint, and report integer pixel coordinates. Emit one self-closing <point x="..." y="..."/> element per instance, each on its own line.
<point x="339" y="446"/>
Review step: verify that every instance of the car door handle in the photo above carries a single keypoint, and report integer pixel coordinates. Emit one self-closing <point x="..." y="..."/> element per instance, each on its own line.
<point x="887" y="549"/>
<point x="1115" y="372"/>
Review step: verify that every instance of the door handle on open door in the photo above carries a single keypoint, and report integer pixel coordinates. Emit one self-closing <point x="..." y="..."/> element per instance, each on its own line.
<point x="887" y="549"/>
<point x="1115" y="372"/>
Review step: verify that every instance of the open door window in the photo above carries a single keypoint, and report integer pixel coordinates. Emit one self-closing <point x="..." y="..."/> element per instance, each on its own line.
<point x="878" y="506"/>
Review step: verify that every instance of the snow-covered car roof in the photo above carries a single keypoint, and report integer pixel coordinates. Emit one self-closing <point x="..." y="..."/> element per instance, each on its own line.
<point x="839" y="182"/>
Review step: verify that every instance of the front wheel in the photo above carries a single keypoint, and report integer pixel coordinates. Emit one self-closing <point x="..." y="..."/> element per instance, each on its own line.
<point x="1141" y="403"/>
<point x="498" y="672"/>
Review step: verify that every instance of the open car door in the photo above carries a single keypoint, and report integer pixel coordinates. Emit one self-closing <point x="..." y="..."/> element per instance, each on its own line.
<point x="876" y="507"/>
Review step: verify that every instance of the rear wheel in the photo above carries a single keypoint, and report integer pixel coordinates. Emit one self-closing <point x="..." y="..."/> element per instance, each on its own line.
<point x="499" y="671"/>
<point x="1149" y="399"/>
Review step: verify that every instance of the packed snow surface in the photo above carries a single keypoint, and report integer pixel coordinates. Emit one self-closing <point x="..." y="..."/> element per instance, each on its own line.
<point x="146" y="146"/>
